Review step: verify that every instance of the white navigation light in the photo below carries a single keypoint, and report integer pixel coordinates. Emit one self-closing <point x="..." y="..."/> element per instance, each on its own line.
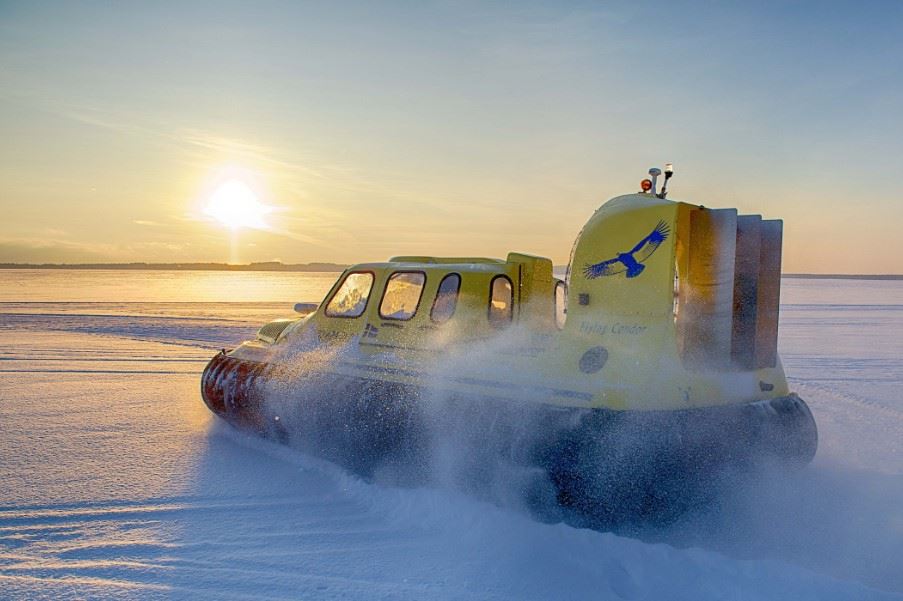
<point x="669" y="171"/>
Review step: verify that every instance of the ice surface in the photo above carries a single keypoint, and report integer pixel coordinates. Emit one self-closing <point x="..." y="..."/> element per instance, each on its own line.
<point x="117" y="483"/>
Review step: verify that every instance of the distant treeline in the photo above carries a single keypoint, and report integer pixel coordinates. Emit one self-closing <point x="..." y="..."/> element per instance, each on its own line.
<point x="332" y="267"/>
<point x="265" y="266"/>
<point x="843" y="276"/>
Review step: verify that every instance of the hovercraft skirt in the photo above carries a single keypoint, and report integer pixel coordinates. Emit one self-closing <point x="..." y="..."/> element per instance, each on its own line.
<point x="359" y="422"/>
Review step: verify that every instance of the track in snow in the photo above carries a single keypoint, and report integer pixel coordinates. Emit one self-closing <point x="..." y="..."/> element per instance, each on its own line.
<point x="115" y="482"/>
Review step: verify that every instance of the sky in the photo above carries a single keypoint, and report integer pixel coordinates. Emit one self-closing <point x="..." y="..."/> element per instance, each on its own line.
<point x="449" y="128"/>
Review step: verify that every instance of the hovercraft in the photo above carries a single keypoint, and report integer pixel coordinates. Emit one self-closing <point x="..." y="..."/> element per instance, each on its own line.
<point x="653" y="363"/>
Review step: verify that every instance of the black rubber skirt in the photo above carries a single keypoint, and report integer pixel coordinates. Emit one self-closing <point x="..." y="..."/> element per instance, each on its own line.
<point x="599" y="462"/>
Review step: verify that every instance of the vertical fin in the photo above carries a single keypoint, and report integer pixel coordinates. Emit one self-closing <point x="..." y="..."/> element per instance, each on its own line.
<point x="769" y="293"/>
<point x="706" y="294"/>
<point x="746" y="291"/>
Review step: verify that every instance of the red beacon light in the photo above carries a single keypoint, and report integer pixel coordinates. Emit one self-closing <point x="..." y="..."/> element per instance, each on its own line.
<point x="646" y="185"/>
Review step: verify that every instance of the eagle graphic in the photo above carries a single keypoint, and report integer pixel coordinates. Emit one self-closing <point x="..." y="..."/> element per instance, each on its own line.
<point x="632" y="261"/>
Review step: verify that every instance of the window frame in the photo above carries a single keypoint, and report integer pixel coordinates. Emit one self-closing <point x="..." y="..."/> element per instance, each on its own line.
<point x="386" y="289"/>
<point x="457" y="297"/>
<point x="500" y="323"/>
<point x="563" y="285"/>
<point x="341" y="283"/>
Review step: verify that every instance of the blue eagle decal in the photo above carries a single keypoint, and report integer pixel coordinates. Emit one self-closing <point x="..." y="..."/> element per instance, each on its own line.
<point x="632" y="261"/>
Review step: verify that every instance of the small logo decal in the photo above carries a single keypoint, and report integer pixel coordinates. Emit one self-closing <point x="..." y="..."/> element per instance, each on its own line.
<point x="593" y="360"/>
<point x="631" y="261"/>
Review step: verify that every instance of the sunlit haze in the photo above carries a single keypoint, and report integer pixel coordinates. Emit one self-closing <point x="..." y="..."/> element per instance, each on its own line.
<point x="371" y="130"/>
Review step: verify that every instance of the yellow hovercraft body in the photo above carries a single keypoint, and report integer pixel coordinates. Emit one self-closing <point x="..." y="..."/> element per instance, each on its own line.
<point x="670" y="327"/>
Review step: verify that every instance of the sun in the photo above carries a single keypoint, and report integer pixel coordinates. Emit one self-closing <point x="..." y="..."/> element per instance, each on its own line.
<point x="235" y="205"/>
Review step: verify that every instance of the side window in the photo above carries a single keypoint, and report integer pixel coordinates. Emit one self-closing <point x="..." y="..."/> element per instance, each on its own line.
<point x="446" y="298"/>
<point x="402" y="295"/>
<point x="350" y="299"/>
<point x="500" y="301"/>
<point x="561" y="303"/>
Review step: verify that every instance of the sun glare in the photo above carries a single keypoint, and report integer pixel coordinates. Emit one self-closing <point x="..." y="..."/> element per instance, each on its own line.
<point x="235" y="205"/>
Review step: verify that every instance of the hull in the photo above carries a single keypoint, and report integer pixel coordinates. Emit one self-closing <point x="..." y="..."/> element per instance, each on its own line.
<point x="604" y="464"/>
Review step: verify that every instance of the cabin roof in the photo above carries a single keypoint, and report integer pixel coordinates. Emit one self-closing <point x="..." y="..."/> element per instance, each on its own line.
<point x="444" y="264"/>
<point x="445" y="260"/>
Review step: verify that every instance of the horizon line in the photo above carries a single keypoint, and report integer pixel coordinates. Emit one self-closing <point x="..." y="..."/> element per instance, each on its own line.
<point x="328" y="267"/>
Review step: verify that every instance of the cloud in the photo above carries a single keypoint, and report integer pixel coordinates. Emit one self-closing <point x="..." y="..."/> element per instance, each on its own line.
<point x="41" y="250"/>
<point x="37" y="250"/>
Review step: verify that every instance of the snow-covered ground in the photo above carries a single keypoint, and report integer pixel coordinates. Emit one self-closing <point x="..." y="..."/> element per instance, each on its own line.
<point x="116" y="482"/>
